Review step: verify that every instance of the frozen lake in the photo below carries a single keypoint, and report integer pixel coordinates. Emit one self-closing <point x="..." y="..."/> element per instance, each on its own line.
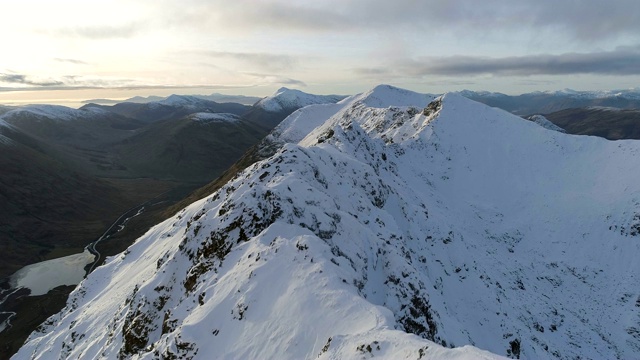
<point x="46" y="275"/>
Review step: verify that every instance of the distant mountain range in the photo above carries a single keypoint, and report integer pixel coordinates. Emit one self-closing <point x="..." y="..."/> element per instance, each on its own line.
<point x="606" y="122"/>
<point x="221" y="98"/>
<point x="548" y="102"/>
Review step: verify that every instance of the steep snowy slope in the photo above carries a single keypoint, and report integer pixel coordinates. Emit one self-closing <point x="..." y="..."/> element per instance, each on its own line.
<point x="271" y="110"/>
<point x="300" y="123"/>
<point x="450" y="220"/>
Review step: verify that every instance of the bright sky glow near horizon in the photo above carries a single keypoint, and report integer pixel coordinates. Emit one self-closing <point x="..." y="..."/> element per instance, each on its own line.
<point x="70" y="50"/>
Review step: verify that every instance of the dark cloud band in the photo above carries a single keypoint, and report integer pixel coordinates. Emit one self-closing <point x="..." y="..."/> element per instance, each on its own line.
<point x="24" y="80"/>
<point x="584" y="20"/>
<point x="621" y="61"/>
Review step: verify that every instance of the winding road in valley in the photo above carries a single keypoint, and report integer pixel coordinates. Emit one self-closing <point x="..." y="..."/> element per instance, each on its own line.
<point x="115" y="227"/>
<point x="120" y="222"/>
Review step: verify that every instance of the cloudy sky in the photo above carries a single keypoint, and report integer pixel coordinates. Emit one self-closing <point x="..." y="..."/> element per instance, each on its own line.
<point x="54" y="51"/>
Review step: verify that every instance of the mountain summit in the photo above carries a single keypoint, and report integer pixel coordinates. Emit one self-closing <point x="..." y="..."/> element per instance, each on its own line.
<point x="290" y="99"/>
<point x="407" y="228"/>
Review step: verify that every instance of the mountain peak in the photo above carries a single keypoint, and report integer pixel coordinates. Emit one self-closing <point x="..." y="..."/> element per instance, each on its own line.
<point x="286" y="99"/>
<point x="54" y="112"/>
<point x="283" y="89"/>
<point x="383" y="96"/>
<point x="180" y="100"/>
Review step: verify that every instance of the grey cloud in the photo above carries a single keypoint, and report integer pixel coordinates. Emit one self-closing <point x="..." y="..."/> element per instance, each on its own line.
<point x="532" y="82"/>
<point x="621" y="61"/>
<point x="450" y="82"/>
<point x="71" y="61"/>
<point x="276" y="79"/>
<point x="24" y="80"/>
<point x="21" y="82"/>
<point x="581" y="19"/>
<point x="121" y="87"/>
<point x="269" y="62"/>
<point x="373" y="71"/>
<point x="101" y="32"/>
<point x="292" y="82"/>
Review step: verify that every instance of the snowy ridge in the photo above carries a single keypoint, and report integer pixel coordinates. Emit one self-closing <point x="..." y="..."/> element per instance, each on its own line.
<point x="297" y="125"/>
<point x="471" y="93"/>
<point x="625" y="93"/>
<point x="545" y="123"/>
<point x="287" y="99"/>
<point x="384" y="231"/>
<point x="214" y="117"/>
<point x="303" y="121"/>
<point x="383" y="96"/>
<point x="179" y="100"/>
<point x="55" y="112"/>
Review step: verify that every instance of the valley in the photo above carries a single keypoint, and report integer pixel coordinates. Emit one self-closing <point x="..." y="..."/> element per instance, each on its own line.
<point x="72" y="173"/>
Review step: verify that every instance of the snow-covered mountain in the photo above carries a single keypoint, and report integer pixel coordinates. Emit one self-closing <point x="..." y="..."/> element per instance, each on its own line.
<point x="545" y="123"/>
<point x="633" y="93"/>
<point x="390" y="225"/>
<point x="290" y="99"/>
<point x="545" y="102"/>
<point x="173" y="107"/>
<point x="271" y="110"/>
<point x="217" y="97"/>
<point x="53" y="113"/>
<point x="214" y="117"/>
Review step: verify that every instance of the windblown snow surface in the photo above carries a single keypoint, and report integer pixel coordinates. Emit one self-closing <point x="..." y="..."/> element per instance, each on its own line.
<point x="386" y="231"/>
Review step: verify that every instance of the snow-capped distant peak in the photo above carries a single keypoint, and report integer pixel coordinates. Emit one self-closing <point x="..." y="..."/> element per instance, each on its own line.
<point x="545" y="123"/>
<point x="214" y="117"/>
<point x="286" y="99"/>
<point x="180" y="100"/>
<point x="53" y="112"/>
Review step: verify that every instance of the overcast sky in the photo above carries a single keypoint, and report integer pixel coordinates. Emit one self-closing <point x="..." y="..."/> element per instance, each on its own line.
<point x="73" y="49"/>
